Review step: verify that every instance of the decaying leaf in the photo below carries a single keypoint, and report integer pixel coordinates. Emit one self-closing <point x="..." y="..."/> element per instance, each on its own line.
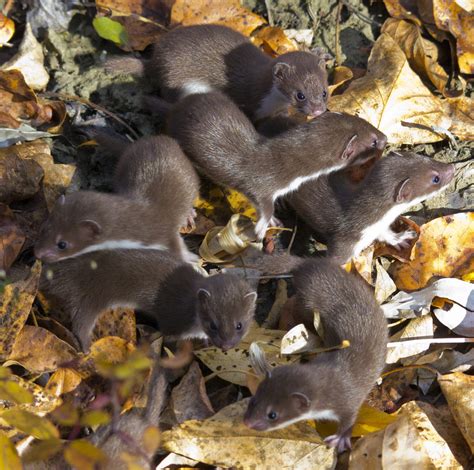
<point x="461" y="112"/>
<point x="273" y="40"/>
<point x="225" y="441"/>
<point x="116" y="322"/>
<point x="227" y="12"/>
<point x="445" y="248"/>
<point x="458" y="388"/>
<point x="63" y="381"/>
<point x="390" y="93"/>
<point x="11" y="237"/>
<point x="16" y="304"/>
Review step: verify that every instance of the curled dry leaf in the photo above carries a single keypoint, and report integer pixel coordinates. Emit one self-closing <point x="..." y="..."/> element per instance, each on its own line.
<point x="391" y="92"/>
<point x="422" y="54"/>
<point x="29" y="60"/>
<point x="384" y="285"/>
<point x="461" y="112"/>
<point x="445" y="248"/>
<point x="449" y="16"/>
<point x="226" y="12"/>
<point x="63" y="381"/>
<point x="225" y="441"/>
<point x="15" y="307"/>
<point x="417" y="327"/>
<point x="273" y="40"/>
<point x="38" y="350"/>
<point x="116" y="322"/>
<point x="458" y="388"/>
<point x="11" y="238"/>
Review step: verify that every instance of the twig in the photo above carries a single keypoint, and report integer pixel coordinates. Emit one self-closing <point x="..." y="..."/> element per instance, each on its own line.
<point x="356" y="12"/>
<point x="7" y="7"/>
<point x="293" y="236"/>
<point x="60" y="96"/>
<point x="337" y="46"/>
<point x="411" y="366"/>
<point x="435" y="129"/>
<point x="431" y="341"/>
<point x="269" y="13"/>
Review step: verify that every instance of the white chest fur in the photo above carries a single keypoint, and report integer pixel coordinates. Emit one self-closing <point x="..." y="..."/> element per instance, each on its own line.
<point x="272" y="103"/>
<point x="194" y="87"/>
<point x="323" y="415"/>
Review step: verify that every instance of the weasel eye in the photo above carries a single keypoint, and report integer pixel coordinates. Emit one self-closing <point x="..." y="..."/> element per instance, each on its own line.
<point x="62" y="245"/>
<point x="272" y="415"/>
<point x="374" y="143"/>
<point x="213" y="326"/>
<point x="300" y="96"/>
<point x="325" y="94"/>
<point x="238" y="326"/>
<point x="436" y="179"/>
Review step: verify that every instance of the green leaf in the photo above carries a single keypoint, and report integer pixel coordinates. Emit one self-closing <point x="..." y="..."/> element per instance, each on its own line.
<point x="82" y="455"/>
<point x="31" y="424"/>
<point x="14" y="392"/>
<point x="95" y="418"/>
<point x="9" y="459"/>
<point x="110" y="29"/>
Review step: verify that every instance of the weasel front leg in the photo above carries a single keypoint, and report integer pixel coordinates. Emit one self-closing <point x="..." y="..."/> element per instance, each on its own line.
<point x="398" y="240"/>
<point x="265" y="212"/>
<point x="83" y="323"/>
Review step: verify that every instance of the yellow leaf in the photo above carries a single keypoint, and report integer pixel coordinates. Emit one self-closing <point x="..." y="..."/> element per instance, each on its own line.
<point x="63" y="381"/>
<point x="95" y="418"/>
<point x="9" y="459"/>
<point x="151" y="439"/>
<point x="14" y="392"/>
<point x="30" y="423"/>
<point x="273" y="40"/>
<point x="66" y="415"/>
<point x="82" y="455"/>
<point x="445" y="248"/>
<point x="116" y="322"/>
<point x="7" y="29"/>
<point x="391" y="92"/>
<point x="225" y="441"/>
<point x="458" y="389"/>
<point x="239" y="204"/>
<point x="226" y="12"/>
<point x="42" y="450"/>
<point x="15" y="307"/>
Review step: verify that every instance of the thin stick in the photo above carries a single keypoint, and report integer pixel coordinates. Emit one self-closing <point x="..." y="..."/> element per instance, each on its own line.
<point x="293" y="236"/>
<point x="337" y="46"/>
<point x="411" y="366"/>
<point x="271" y="22"/>
<point x="431" y="341"/>
<point x="50" y="94"/>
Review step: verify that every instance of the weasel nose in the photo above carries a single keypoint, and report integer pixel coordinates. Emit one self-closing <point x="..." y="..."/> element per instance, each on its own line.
<point x="317" y="112"/>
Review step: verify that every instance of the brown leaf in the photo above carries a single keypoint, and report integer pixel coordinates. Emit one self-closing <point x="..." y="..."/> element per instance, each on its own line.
<point x="116" y="322"/>
<point x="11" y="238"/>
<point x="390" y="93"/>
<point x="445" y="248"/>
<point x="38" y="350"/>
<point x="226" y="12"/>
<point x="189" y="399"/>
<point x="461" y="111"/>
<point x="15" y="307"/>
<point x="341" y="75"/>
<point x="63" y="381"/>
<point x="273" y="41"/>
<point x="449" y="16"/>
<point x="19" y="179"/>
<point x="157" y="10"/>
<point x="140" y="33"/>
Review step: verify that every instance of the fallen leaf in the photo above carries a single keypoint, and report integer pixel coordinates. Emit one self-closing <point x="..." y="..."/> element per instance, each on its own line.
<point x="341" y="75"/>
<point x="225" y="441"/>
<point x="12" y="391"/>
<point x="226" y="12"/>
<point x="422" y="54"/>
<point x="63" y="381"/>
<point x="15" y="307"/>
<point x="139" y="32"/>
<point x="403" y="10"/>
<point x="445" y="249"/>
<point x="11" y="237"/>
<point x="111" y="29"/>
<point x="391" y="92"/>
<point x="9" y="459"/>
<point x="458" y="389"/>
<point x="422" y="326"/>
<point x="384" y="285"/>
<point x="273" y="40"/>
<point x="7" y="29"/>
<point x="460" y="23"/>
<point x="29" y="60"/>
<point x="22" y="133"/>
<point x="30" y="423"/>
<point x="157" y="10"/>
<point x="116" y="322"/>
<point x="461" y="112"/>
<point x="362" y="264"/>
<point x="38" y="350"/>
<point x="298" y="340"/>
<point x="189" y="399"/>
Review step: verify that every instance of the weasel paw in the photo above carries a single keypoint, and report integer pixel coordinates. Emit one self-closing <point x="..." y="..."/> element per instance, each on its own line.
<point x="340" y="442"/>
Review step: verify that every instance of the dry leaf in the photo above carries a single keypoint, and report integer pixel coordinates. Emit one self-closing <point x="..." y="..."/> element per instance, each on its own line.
<point x="362" y="263"/>
<point x="63" y="381"/>
<point x="461" y="112"/>
<point x="422" y="54"/>
<point x="116" y="322"/>
<point x="384" y="285"/>
<point x="29" y="423"/>
<point x="157" y="10"/>
<point x="445" y="248"/>
<point x="273" y="40"/>
<point x="7" y="29"/>
<point x="460" y="23"/>
<point x="390" y="93"/>
<point x="422" y="326"/>
<point x="15" y="307"/>
<point x="226" y="442"/>
<point x="458" y="389"/>
<point x="341" y="75"/>
<point x="11" y="238"/>
<point x="298" y="340"/>
<point x="29" y="60"/>
<point x="82" y="455"/>
<point x="226" y="12"/>
<point x="38" y="350"/>
<point x="140" y="33"/>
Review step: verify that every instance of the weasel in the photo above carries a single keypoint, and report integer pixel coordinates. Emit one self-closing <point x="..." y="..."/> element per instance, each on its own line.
<point x="350" y="218"/>
<point x="156" y="185"/>
<point x="202" y="58"/>
<point x="225" y="147"/>
<point x="185" y="303"/>
<point x="333" y="385"/>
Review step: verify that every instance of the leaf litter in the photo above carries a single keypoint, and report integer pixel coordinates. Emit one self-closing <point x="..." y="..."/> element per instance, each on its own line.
<point x="425" y="292"/>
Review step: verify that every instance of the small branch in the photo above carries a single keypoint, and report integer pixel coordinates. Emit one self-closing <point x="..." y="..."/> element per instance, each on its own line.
<point x="430" y="341"/>
<point x="271" y="21"/>
<point x="337" y="45"/>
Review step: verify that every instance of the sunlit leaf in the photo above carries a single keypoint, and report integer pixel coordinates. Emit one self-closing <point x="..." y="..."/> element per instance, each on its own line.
<point x="9" y="459"/>
<point x="82" y="455"/>
<point x="29" y="423"/>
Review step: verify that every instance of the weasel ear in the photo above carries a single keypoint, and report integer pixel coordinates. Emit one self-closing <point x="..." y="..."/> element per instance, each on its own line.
<point x="301" y="401"/>
<point x="203" y="295"/>
<point x="90" y="228"/>
<point x="259" y="361"/>
<point x="252" y="296"/>
<point x="322" y="55"/>
<point x="280" y="69"/>
<point x="348" y="152"/>
<point x="404" y="192"/>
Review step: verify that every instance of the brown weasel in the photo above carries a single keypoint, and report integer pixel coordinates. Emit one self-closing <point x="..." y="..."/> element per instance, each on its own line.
<point x="350" y="218"/>
<point x="156" y="185"/>
<point x="185" y="303"/>
<point x="333" y="385"/>
<point x="225" y="146"/>
<point x="203" y="58"/>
